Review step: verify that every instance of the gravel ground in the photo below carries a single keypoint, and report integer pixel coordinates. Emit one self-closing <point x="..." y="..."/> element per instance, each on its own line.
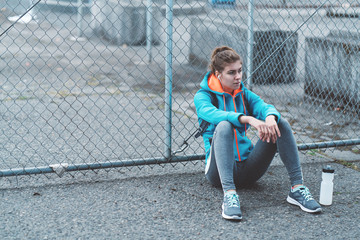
<point x="178" y="203"/>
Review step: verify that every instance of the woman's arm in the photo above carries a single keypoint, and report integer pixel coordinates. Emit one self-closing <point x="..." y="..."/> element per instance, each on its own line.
<point x="260" y="109"/>
<point x="208" y="112"/>
<point x="268" y="130"/>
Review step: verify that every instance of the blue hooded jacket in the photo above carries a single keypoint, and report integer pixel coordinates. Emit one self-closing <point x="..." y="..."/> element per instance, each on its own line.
<point x="229" y="108"/>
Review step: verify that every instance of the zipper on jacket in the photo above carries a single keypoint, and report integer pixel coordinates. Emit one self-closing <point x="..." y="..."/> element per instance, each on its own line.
<point x="245" y="110"/>
<point x="236" y="140"/>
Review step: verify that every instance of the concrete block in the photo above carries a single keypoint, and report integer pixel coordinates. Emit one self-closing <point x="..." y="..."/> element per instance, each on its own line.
<point x="186" y="8"/>
<point x="124" y="22"/>
<point x="207" y="33"/>
<point x="344" y="11"/>
<point x="332" y="68"/>
<point x="65" y="6"/>
<point x="222" y="3"/>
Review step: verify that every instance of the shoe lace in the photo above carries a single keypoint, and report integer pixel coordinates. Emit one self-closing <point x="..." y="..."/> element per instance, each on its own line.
<point x="233" y="200"/>
<point x="306" y="193"/>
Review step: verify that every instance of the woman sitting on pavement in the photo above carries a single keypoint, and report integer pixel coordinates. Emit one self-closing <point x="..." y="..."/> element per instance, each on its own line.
<point x="231" y="159"/>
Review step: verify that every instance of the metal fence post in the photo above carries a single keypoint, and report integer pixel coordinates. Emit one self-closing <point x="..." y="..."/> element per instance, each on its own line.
<point x="250" y="45"/>
<point x="79" y="17"/>
<point x="149" y="29"/>
<point x="79" y="20"/>
<point x="168" y="78"/>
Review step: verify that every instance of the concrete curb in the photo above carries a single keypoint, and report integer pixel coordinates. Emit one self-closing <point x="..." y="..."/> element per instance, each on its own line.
<point x="193" y="8"/>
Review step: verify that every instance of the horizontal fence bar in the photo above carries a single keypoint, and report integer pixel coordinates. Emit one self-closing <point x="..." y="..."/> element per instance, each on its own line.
<point x="149" y="161"/>
<point x="103" y="165"/>
<point x="329" y="144"/>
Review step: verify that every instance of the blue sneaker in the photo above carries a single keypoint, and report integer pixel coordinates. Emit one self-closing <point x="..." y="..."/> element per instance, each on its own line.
<point x="302" y="197"/>
<point x="231" y="206"/>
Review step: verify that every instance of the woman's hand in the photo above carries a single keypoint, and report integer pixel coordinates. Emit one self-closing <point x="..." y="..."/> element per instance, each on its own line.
<point x="271" y="123"/>
<point x="268" y="130"/>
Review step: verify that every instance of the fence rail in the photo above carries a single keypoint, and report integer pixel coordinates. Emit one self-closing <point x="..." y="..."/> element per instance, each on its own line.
<point x="123" y="95"/>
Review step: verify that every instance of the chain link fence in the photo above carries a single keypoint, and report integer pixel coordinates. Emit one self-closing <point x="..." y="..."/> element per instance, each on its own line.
<point x="101" y="84"/>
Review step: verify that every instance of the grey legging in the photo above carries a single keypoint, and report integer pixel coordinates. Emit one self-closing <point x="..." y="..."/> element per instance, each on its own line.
<point x="222" y="169"/>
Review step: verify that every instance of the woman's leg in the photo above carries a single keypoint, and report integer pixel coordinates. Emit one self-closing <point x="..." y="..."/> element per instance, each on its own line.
<point x="220" y="165"/>
<point x="255" y="166"/>
<point x="289" y="153"/>
<point x="220" y="169"/>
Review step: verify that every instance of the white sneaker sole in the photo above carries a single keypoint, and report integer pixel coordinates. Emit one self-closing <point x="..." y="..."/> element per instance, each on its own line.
<point x="294" y="202"/>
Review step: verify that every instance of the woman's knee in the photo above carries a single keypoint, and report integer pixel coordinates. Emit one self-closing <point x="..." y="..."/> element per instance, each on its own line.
<point x="225" y="128"/>
<point x="225" y="125"/>
<point x="284" y="124"/>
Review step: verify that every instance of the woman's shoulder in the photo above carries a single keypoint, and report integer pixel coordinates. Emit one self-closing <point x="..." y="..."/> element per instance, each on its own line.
<point x="202" y="93"/>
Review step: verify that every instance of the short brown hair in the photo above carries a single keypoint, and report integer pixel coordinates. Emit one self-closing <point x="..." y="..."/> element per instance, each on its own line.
<point x="222" y="56"/>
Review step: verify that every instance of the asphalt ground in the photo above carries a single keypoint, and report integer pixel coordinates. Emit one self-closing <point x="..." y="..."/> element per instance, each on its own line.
<point x="171" y="201"/>
<point x="177" y="202"/>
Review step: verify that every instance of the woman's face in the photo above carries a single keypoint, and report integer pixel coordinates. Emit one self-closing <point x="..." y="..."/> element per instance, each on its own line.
<point x="231" y="77"/>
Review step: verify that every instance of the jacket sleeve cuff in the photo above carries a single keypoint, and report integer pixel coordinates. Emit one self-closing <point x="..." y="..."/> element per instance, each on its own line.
<point x="276" y="114"/>
<point x="234" y="118"/>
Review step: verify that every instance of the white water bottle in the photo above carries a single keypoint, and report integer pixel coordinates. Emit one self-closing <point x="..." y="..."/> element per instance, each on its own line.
<point x="327" y="186"/>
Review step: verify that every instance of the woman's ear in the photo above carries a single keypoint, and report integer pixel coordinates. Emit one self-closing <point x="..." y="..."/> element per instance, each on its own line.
<point x="217" y="74"/>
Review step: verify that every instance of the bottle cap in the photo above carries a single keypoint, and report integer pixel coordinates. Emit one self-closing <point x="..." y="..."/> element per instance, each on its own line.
<point x="328" y="169"/>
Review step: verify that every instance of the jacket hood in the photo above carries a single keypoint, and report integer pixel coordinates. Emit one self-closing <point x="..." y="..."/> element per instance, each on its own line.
<point x="211" y="83"/>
